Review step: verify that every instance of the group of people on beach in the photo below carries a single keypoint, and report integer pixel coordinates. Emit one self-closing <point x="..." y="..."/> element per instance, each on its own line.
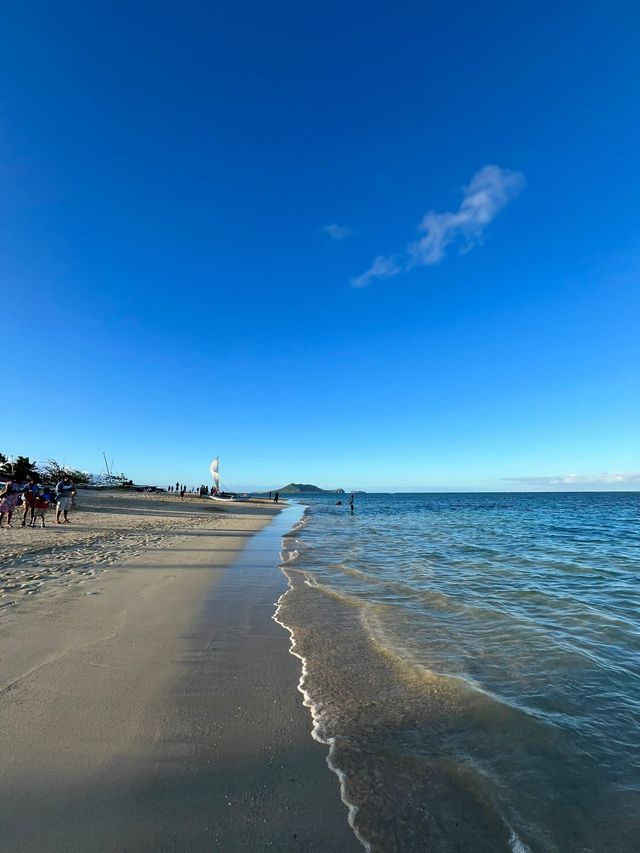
<point x="203" y="491"/>
<point x="34" y="500"/>
<point x="182" y="490"/>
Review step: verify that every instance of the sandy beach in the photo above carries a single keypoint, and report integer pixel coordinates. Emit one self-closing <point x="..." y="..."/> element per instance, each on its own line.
<point x="147" y="698"/>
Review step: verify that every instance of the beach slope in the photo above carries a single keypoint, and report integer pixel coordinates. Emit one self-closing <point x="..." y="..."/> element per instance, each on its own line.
<point x="153" y="706"/>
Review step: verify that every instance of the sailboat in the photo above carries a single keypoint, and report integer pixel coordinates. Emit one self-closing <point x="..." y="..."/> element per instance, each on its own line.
<point x="216" y="493"/>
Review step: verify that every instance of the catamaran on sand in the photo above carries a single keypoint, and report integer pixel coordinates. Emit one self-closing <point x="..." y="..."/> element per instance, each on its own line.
<point x="216" y="493"/>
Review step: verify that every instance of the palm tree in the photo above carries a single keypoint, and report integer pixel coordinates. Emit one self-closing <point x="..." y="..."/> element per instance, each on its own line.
<point x="20" y="469"/>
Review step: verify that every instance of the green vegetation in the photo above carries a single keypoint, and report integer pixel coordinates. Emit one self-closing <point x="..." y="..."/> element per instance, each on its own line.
<point x="21" y="468"/>
<point x="52" y="472"/>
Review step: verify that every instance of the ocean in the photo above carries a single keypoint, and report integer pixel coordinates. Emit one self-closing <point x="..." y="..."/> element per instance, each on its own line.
<point x="473" y="663"/>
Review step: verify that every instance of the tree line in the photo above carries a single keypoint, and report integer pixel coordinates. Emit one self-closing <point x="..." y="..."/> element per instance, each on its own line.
<point x="22" y="469"/>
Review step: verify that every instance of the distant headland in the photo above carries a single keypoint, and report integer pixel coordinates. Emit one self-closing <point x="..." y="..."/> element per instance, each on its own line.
<point x="307" y="488"/>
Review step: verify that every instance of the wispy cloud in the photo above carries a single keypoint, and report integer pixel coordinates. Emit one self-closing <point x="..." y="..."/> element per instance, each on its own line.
<point x="604" y="478"/>
<point x="489" y="191"/>
<point x="337" y="232"/>
<point x="380" y="268"/>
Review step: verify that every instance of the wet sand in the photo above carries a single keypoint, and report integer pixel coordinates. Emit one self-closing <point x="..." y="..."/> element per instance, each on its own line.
<point x="153" y="706"/>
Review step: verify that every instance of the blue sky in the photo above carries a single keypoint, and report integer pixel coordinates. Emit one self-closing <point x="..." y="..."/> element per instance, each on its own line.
<point x="193" y="198"/>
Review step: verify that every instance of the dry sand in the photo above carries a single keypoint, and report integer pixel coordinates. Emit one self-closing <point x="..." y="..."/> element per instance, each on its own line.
<point x="153" y="706"/>
<point x="105" y="526"/>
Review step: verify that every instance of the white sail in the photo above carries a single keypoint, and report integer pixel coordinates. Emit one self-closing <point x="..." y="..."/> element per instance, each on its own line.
<point x="216" y="494"/>
<point x="215" y="471"/>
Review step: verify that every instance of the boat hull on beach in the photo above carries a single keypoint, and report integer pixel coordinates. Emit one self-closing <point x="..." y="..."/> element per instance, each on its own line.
<point x="230" y="498"/>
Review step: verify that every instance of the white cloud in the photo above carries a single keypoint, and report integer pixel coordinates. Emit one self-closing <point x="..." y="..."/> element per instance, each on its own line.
<point x="337" y="232"/>
<point x="381" y="268"/>
<point x="490" y="190"/>
<point x="577" y="479"/>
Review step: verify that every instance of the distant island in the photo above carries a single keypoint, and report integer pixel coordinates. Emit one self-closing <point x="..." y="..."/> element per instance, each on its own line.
<point x="307" y="489"/>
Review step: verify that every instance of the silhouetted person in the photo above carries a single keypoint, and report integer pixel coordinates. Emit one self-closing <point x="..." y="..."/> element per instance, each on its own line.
<point x="177" y="487"/>
<point x="182" y="491"/>
<point x="276" y="497"/>
<point x="351" y="504"/>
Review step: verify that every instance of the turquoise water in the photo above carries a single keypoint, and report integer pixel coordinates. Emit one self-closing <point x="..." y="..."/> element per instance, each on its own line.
<point x="474" y="663"/>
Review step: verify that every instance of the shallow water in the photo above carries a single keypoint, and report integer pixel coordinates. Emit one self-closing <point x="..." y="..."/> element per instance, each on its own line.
<point x="474" y="663"/>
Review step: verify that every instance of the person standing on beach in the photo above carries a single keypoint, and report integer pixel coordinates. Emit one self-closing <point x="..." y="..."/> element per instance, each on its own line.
<point x="276" y="497"/>
<point x="351" y="503"/>
<point x="177" y="487"/>
<point x="41" y="506"/>
<point x="65" y="490"/>
<point x="8" y="500"/>
<point x="182" y="491"/>
<point x="29" y="496"/>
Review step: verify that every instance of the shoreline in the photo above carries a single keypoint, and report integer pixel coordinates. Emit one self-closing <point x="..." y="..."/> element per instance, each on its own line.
<point x="155" y="708"/>
<point x="290" y="554"/>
